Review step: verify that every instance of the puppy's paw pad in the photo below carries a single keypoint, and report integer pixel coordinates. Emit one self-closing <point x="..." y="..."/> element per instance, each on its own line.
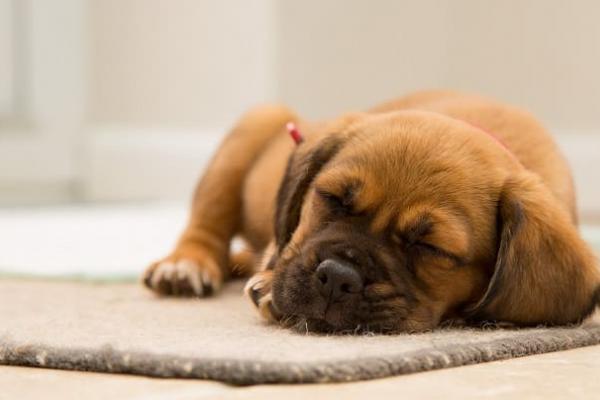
<point x="183" y="277"/>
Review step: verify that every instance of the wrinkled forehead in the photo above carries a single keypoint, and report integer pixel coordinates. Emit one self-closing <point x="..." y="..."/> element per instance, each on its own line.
<point x="398" y="168"/>
<point x="399" y="171"/>
<point x="416" y="143"/>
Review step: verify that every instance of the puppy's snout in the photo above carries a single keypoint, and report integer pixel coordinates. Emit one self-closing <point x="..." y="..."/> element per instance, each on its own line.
<point x="337" y="280"/>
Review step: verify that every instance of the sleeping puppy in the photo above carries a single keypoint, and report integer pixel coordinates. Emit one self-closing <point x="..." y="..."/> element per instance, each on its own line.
<point x="437" y="207"/>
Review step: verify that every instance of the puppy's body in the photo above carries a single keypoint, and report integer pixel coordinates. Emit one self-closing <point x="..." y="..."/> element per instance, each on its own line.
<point x="523" y="136"/>
<point x="433" y="207"/>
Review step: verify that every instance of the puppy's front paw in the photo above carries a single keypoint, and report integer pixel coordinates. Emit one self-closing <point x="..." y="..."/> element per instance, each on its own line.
<point x="184" y="276"/>
<point x="258" y="289"/>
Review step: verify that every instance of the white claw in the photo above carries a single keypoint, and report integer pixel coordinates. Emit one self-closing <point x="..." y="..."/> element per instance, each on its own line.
<point x="190" y="270"/>
<point x="256" y="282"/>
<point x="206" y="279"/>
<point x="163" y="271"/>
<point x="185" y="270"/>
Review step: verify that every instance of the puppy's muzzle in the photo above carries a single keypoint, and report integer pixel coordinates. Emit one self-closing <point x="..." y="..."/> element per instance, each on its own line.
<point x="338" y="281"/>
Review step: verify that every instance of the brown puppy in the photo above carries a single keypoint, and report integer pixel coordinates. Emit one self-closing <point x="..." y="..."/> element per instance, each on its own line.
<point x="439" y="206"/>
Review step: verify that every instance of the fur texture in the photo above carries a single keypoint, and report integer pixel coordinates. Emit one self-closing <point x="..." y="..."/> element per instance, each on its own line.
<point x="435" y="207"/>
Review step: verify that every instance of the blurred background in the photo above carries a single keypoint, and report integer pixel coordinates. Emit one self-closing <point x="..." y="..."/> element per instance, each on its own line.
<point x="109" y="109"/>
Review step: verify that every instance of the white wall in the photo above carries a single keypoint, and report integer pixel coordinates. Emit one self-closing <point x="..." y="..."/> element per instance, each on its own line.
<point x="347" y="54"/>
<point x="45" y="99"/>
<point x="200" y="63"/>
<point x="6" y="58"/>
<point x="180" y="63"/>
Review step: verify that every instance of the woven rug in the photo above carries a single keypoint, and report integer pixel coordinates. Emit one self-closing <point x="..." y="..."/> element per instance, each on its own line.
<point x="122" y="328"/>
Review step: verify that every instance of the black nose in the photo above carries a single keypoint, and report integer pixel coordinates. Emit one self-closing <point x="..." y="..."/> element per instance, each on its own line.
<point x="337" y="280"/>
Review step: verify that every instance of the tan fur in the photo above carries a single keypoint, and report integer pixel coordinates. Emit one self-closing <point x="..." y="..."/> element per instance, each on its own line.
<point x="238" y="192"/>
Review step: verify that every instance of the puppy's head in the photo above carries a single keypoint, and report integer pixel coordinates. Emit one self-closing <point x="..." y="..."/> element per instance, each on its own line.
<point x="399" y="221"/>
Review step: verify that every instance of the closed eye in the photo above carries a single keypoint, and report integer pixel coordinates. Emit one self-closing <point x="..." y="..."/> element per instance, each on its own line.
<point x="436" y="251"/>
<point x="427" y="248"/>
<point x="337" y="204"/>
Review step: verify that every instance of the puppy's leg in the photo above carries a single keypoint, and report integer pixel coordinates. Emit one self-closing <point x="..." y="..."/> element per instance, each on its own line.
<point x="200" y="261"/>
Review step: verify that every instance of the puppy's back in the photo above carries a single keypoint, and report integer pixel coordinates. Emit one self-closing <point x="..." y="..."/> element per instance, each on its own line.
<point x="518" y="130"/>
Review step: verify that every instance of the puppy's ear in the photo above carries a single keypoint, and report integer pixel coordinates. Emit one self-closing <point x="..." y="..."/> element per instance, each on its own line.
<point x="544" y="272"/>
<point x="302" y="168"/>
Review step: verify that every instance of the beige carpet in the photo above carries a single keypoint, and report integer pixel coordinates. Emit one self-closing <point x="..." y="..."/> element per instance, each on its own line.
<point x="122" y="328"/>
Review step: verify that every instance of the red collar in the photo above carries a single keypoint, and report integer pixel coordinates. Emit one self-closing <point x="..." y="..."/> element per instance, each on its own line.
<point x="294" y="132"/>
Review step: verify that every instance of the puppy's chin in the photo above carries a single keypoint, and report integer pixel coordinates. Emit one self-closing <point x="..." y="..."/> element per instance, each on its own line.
<point x="321" y="320"/>
<point x="319" y="326"/>
<point x="331" y="322"/>
<point x="314" y="316"/>
<point x="322" y="326"/>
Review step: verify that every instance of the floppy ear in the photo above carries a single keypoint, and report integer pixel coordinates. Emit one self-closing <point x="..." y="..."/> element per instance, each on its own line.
<point x="544" y="272"/>
<point x="302" y="168"/>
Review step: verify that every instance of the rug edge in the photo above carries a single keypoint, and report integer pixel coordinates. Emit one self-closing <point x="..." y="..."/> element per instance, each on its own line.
<point x="244" y="372"/>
